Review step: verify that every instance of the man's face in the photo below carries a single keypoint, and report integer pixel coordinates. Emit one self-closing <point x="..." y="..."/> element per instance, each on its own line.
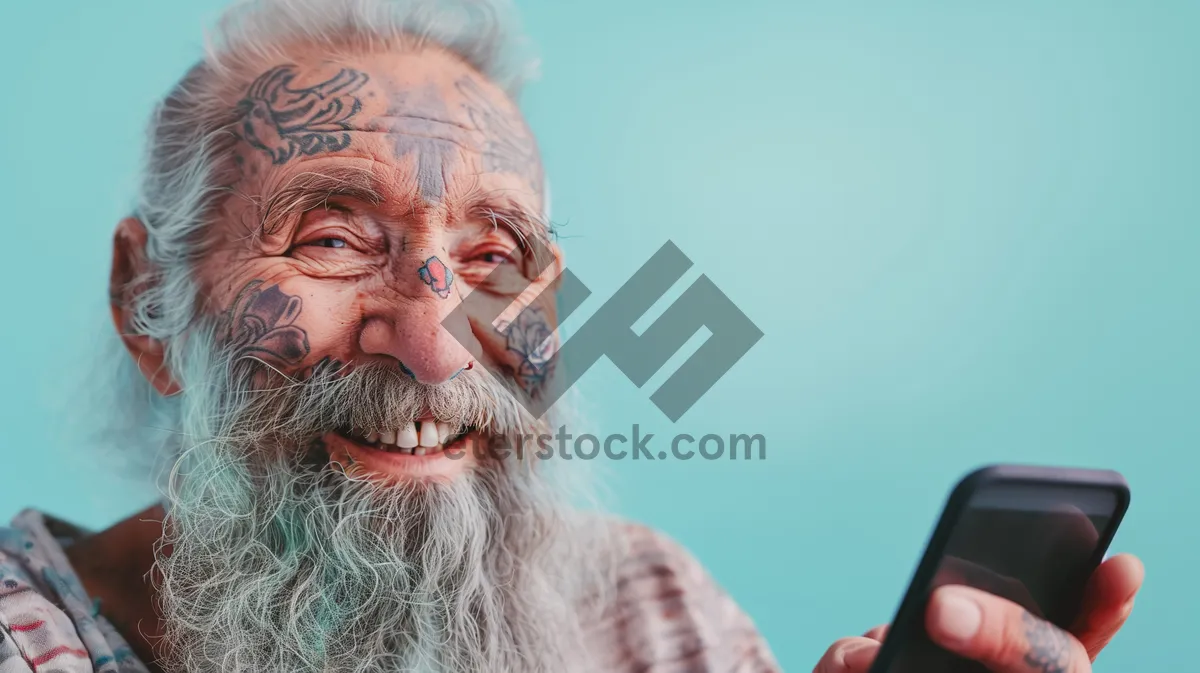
<point x="371" y="195"/>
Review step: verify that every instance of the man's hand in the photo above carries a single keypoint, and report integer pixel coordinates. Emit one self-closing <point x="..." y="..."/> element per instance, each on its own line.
<point x="1003" y="636"/>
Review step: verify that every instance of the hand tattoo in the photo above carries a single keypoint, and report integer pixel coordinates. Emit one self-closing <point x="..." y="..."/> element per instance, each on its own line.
<point x="1049" y="648"/>
<point x="531" y="337"/>
<point x="437" y="276"/>
<point x="282" y="121"/>
<point x="260" y="325"/>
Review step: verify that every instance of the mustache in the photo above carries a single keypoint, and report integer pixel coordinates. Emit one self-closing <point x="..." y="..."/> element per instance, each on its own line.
<point x="372" y="397"/>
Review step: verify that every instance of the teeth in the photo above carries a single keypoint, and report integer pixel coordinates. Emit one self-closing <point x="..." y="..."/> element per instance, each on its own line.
<point x="419" y="451"/>
<point x="406" y="438"/>
<point x="443" y="432"/>
<point x="429" y="434"/>
<point x="388" y="437"/>
<point x="373" y="437"/>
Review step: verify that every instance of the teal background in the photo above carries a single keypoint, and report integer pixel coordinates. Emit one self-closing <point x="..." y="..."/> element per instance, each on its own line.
<point x="969" y="232"/>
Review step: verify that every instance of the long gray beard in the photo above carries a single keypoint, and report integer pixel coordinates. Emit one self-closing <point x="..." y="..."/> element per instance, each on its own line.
<point x="300" y="571"/>
<point x="274" y="564"/>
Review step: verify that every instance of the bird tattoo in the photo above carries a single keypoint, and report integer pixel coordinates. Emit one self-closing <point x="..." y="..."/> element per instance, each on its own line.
<point x="283" y="121"/>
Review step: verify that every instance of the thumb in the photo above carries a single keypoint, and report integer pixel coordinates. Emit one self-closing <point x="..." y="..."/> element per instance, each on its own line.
<point x="1001" y="634"/>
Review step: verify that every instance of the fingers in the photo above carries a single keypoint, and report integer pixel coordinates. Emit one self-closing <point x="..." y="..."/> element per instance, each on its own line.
<point x="1000" y="634"/>
<point x="859" y="659"/>
<point x="877" y="633"/>
<point x="954" y="570"/>
<point x="848" y="655"/>
<point x="1107" y="601"/>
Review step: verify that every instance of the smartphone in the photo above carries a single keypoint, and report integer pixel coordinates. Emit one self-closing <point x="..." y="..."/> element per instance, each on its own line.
<point x="1033" y="535"/>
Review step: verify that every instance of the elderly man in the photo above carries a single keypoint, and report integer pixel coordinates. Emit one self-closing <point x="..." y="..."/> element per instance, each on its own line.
<point x="321" y="193"/>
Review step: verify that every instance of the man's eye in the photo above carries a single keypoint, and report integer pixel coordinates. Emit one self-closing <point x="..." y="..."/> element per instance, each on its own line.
<point x="328" y="243"/>
<point x="495" y="258"/>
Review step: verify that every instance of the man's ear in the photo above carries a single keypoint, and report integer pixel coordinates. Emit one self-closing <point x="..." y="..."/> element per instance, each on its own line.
<point x="129" y="268"/>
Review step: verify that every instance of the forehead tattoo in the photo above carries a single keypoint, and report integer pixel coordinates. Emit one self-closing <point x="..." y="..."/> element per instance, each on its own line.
<point x="286" y="120"/>
<point x="421" y="125"/>
<point x="283" y="120"/>
<point x="425" y="126"/>
<point x="510" y="147"/>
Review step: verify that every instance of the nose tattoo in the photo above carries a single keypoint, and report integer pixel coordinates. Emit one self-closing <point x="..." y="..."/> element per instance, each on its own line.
<point x="437" y="276"/>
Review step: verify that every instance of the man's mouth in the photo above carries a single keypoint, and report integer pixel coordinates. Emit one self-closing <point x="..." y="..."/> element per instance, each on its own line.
<point x="417" y="438"/>
<point x="415" y="450"/>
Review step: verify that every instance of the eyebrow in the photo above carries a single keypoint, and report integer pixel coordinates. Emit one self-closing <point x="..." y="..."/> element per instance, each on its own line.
<point x="308" y="190"/>
<point x="311" y="189"/>
<point x="532" y="232"/>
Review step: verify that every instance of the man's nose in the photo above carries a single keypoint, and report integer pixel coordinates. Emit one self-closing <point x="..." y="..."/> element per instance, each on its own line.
<point x="409" y="328"/>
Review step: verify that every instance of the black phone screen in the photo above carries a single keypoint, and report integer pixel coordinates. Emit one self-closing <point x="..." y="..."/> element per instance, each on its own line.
<point x="1034" y="546"/>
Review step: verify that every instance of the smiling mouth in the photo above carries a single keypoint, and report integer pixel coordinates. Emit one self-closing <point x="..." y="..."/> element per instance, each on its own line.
<point x="417" y="438"/>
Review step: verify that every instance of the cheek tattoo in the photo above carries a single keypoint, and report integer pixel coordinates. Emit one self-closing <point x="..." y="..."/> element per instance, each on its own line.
<point x="437" y="276"/>
<point x="281" y="120"/>
<point x="530" y="337"/>
<point x="260" y="325"/>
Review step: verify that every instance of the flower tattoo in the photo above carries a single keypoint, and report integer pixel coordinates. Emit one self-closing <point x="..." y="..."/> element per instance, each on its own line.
<point x="260" y="325"/>
<point x="437" y="276"/>
<point x="531" y="337"/>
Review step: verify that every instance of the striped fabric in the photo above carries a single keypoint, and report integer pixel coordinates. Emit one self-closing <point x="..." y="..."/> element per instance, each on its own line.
<point x="47" y="622"/>
<point x="666" y="614"/>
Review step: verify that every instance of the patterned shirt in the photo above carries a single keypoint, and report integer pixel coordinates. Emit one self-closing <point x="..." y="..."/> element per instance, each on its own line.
<point x="47" y="622"/>
<point x="666" y="615"/>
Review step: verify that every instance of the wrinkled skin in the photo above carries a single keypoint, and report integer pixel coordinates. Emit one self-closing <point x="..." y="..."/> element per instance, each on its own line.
<point x="436" y="157"/>
<point x="369" y="194"/>
<point x="372" y="194"/>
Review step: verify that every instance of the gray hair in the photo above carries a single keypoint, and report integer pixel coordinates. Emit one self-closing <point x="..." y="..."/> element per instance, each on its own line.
<point x="188" y="167"/>
<point x="191" y="133"/>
